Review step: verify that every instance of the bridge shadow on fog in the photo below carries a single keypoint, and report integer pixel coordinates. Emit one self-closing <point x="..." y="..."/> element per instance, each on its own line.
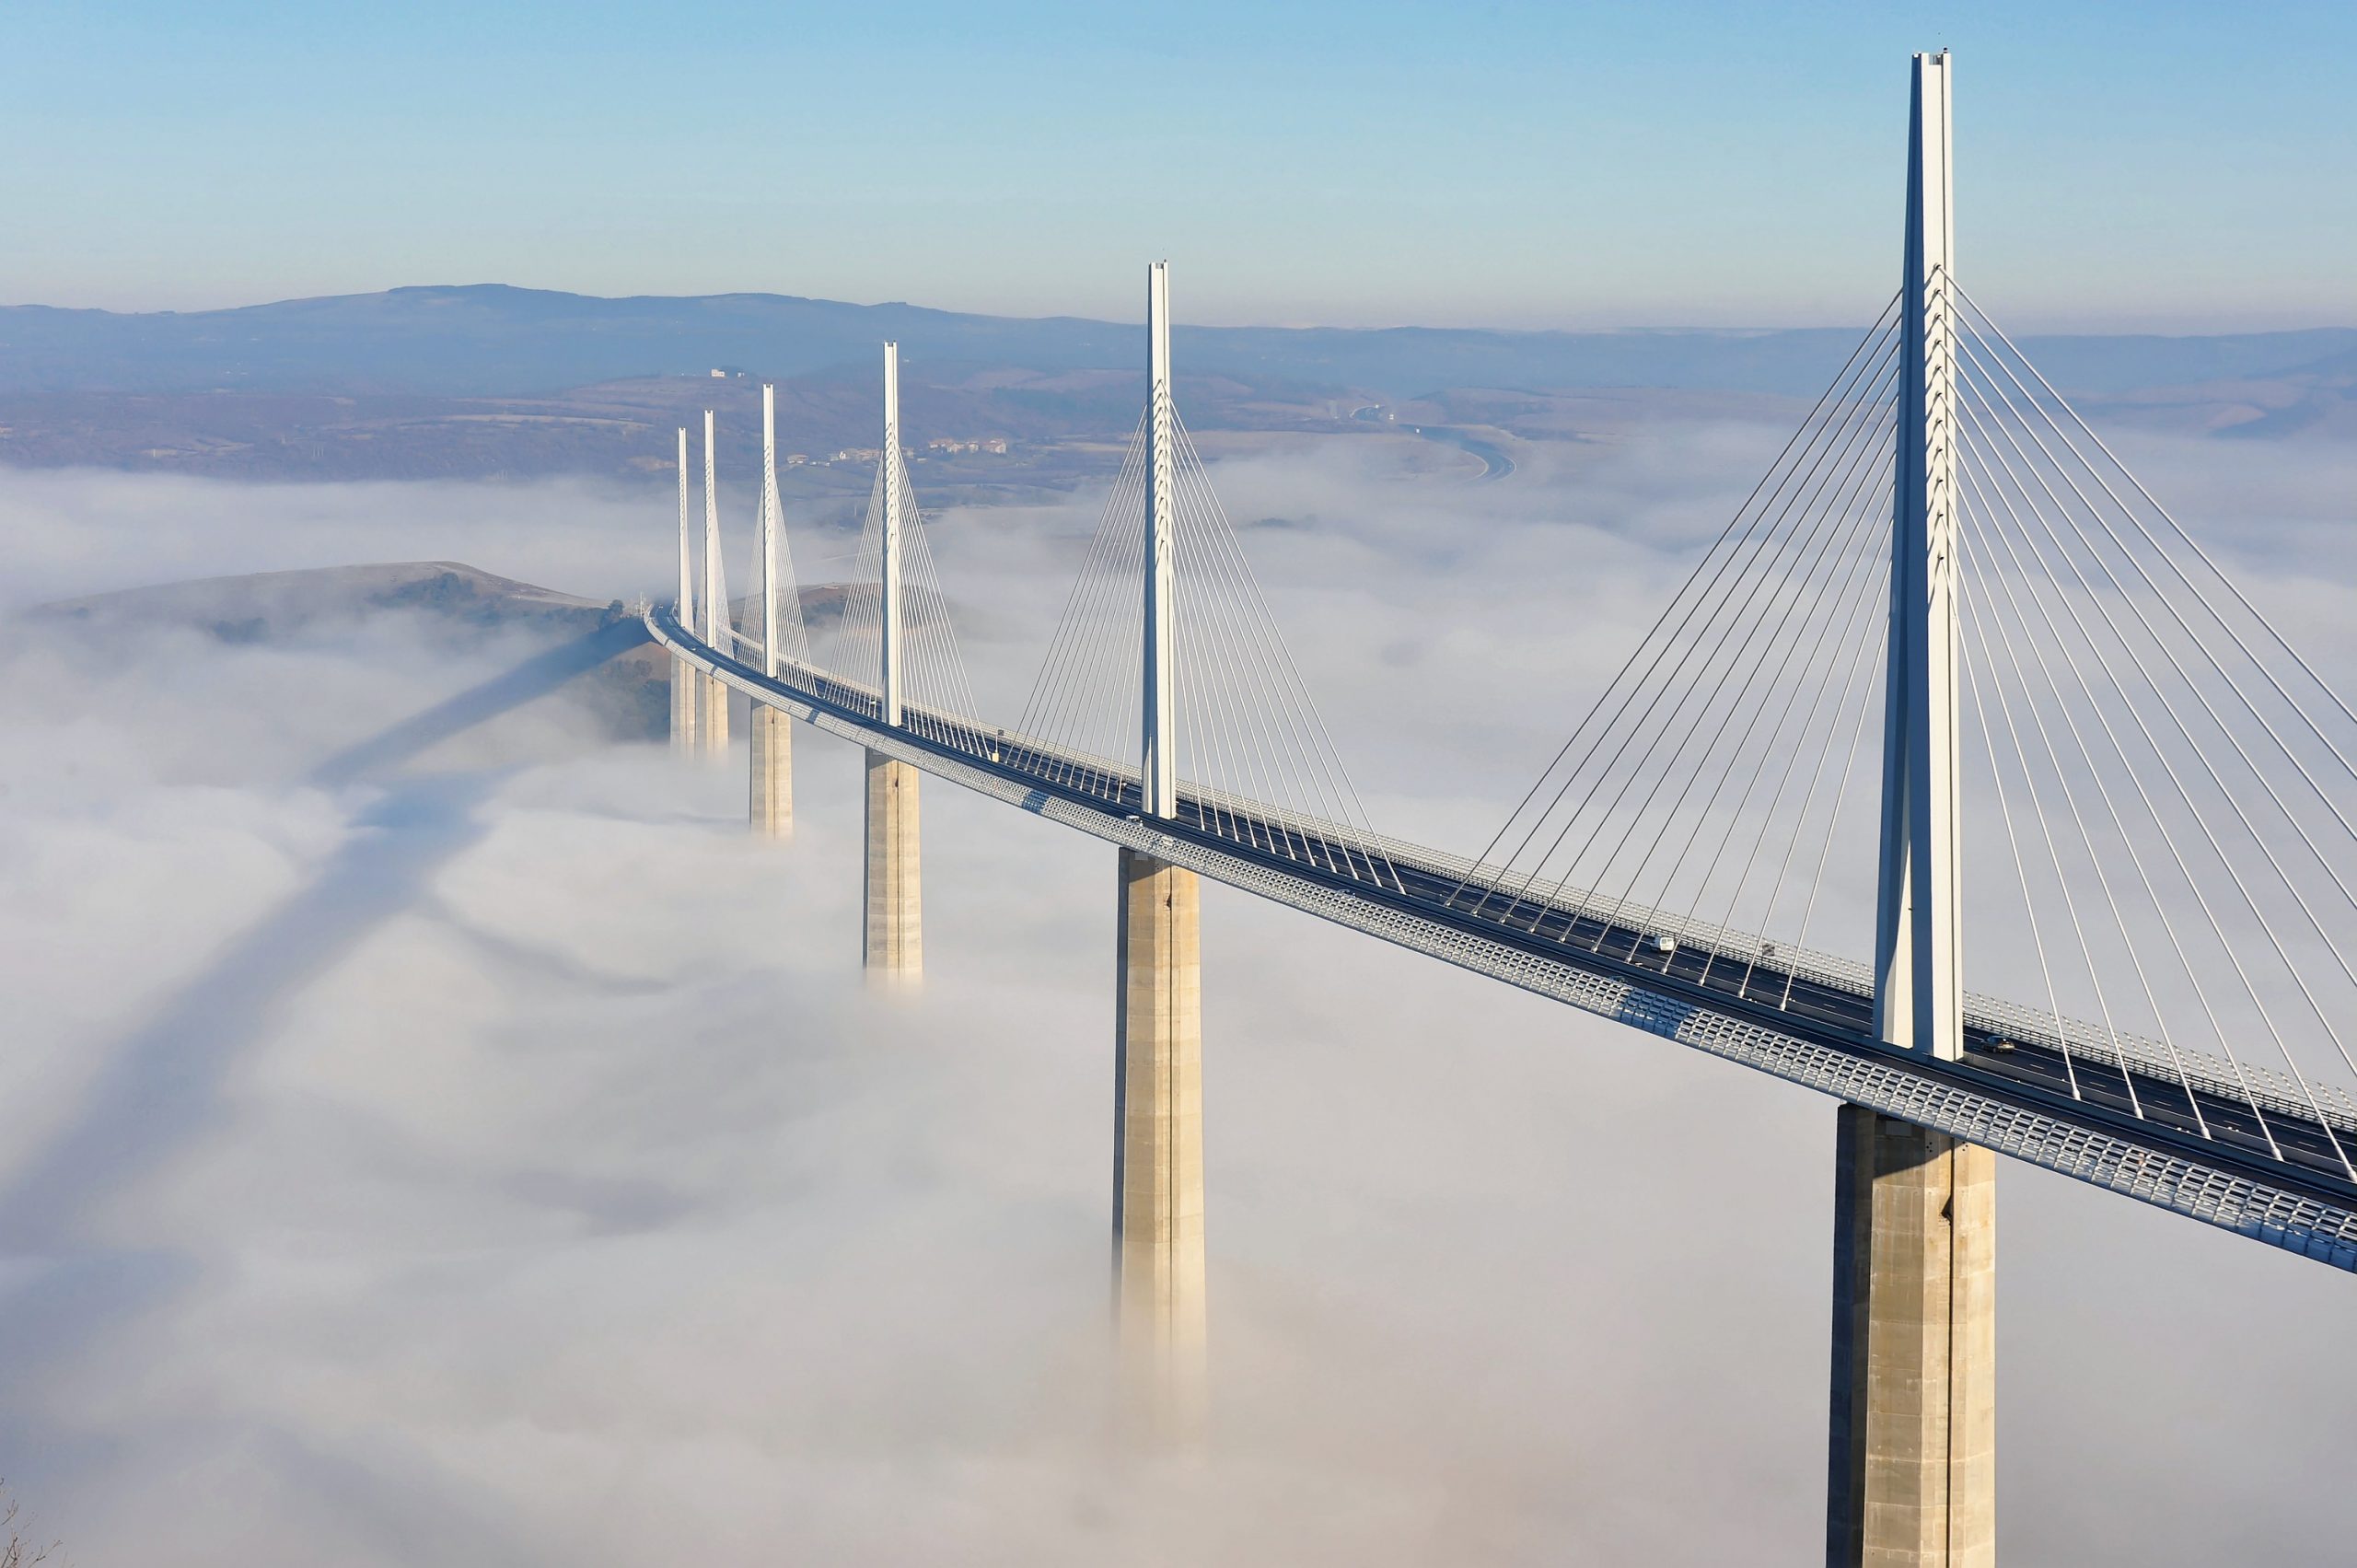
<point x="536" y="677"/>
<point x="161" y="1085"/>
<point x="160" y="1090"/>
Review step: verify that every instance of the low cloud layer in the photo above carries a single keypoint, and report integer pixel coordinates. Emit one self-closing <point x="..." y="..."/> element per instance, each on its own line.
<point x="505" y="1163"/>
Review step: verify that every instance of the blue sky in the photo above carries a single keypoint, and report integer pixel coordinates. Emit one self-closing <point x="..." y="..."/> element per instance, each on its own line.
<point x="2162" y="164"/>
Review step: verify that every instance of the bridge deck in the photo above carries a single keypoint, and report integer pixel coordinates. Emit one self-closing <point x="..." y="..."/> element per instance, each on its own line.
<point x="2184" y="1137"/>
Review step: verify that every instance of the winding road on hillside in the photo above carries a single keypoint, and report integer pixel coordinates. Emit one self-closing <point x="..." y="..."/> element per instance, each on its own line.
<point x="1495" y="464"/>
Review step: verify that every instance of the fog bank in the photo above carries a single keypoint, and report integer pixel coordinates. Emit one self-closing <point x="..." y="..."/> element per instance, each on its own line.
<point x="501" y="1161"/>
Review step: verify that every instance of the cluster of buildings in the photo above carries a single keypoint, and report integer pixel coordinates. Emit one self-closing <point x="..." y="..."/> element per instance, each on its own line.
<point x="994" y="445"/>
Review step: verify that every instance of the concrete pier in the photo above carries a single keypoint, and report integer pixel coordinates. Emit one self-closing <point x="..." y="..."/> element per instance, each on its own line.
<point x="770" y="797"/>
<point x="684" y="701"/>
<point x="892" y="897"/>
<point x="1159" y="1143"/>
<point x="711" y="716"/>
<point x="1913" y="1432"/>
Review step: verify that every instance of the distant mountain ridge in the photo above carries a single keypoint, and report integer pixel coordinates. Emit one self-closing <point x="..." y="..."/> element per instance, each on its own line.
<point x="493" y="340"/>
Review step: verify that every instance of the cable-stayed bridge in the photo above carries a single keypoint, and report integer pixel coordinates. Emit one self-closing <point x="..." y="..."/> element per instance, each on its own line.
<point x="1957" y="782"/>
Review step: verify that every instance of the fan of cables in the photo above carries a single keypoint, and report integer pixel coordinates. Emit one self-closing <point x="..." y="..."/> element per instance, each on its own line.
<point x="1255" y="763"/>
<point x="2159" y="799"/>
<point x="2172" y="783"/>
<point x="936" y="698"/>
<point x="776" y="595"/>
<point x="1704" y="791"/>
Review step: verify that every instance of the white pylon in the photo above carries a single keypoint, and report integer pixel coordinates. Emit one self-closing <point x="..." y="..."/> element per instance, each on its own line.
<point x="685" y="605"/>
<point x="715" y="590"/>
<point x="1919" y="955"/>
<point x="889" y="656"/>
<point x="1157" y="762"/>
<point x="769" y="530"/>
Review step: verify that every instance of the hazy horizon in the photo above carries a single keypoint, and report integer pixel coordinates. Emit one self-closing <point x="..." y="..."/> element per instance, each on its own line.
<point x="2092" y="326"/>
<point x="1519" y="165"/>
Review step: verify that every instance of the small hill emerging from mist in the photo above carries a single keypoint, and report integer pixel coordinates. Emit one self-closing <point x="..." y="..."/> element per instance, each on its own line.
<point x="454" y="603"/>
<point x="274" y="606"/>
<point x="459" y="604"/>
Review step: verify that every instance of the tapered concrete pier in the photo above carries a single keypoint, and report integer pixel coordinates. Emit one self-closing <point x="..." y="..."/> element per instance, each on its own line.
<point x="770" y="803"/>
<point x="894" y="905"/>
<point x="685" y="700"/>
<point x="1158" y="1026"/>
<point x="712" y="718"/>
<point x="1158" y="1143"/>
<point x="1912" y="1476"/>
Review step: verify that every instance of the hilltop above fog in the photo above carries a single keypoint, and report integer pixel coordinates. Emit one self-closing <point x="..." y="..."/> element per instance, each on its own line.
<point x="455" y="605"/>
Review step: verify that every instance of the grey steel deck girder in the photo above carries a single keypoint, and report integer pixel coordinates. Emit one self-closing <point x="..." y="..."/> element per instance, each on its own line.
<point x="1895" y="1085"/>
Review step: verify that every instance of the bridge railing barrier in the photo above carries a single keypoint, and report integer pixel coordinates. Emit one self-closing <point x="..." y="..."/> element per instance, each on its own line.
<point x="2274" y="1090"/>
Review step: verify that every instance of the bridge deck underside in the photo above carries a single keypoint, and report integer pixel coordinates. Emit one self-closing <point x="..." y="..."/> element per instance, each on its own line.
<point x="2190" y="1140"/>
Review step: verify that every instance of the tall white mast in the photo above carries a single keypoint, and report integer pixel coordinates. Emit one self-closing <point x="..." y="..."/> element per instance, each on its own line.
<point x="716" y="594"/>
<point x="1919" y="955"/>
<point x="770" y="523"/>
<point x="685" y="605"/>
<point x="891" y="464"/>
<point x="1158" y="763"/>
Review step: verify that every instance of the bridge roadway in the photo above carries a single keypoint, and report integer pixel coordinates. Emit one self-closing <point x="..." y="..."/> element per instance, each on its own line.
<point x="2012" y="1092"/>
